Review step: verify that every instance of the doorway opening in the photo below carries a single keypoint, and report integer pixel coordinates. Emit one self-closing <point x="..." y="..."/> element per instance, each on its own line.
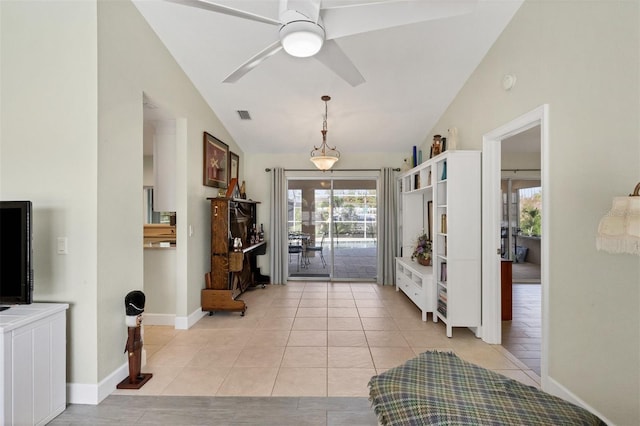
<point x="332" y="228"/>
<point x="493" y="224"/>
<point x="520" y="234"/>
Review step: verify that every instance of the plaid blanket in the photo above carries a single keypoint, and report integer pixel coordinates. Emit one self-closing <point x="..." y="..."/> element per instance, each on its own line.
<point x="438" y="388"/>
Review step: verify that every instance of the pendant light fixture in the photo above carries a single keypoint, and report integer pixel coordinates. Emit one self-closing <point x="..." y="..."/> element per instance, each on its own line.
<point x="324" y="156"/>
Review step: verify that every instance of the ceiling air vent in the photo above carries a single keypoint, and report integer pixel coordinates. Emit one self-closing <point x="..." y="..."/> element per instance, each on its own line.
<point x="244" y="115"/>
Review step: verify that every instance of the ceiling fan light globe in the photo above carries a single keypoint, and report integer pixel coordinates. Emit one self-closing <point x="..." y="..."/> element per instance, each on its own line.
<point x="324" y="162"/>
<point x="302" y="39"/>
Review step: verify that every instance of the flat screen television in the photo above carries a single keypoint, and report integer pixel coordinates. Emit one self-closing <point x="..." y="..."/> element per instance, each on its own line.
<point x="16" y="269"/>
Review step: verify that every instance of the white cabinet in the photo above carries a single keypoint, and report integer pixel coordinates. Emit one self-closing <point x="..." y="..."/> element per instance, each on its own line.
<point x="442" y="196"/>
<point x="416" y="281"/>
<point x="33" y="354"/>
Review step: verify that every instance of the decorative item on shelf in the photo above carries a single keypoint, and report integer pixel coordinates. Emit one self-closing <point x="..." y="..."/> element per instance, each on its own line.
<point x="443" y="223"/>
<point x="414" y="157"/>
<point x="452" y="140"/>
<point x="237" y="244"/>
<point x="436" y="146"/>
<point x="619" y="230"/>
<point x="444" y="171"/>
<point x="422" y="252"/>
<point x="324" y="156"/>
<point x="243" y="191"/>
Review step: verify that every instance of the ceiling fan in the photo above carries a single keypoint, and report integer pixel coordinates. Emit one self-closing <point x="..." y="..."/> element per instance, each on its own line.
<point x="307" y="29"/>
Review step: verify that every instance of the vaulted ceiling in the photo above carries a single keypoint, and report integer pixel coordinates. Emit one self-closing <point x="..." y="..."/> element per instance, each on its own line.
<point x="412" y="73"/>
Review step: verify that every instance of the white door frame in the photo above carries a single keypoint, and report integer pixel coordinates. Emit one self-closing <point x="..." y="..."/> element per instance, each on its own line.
<point x="491" y="214"/>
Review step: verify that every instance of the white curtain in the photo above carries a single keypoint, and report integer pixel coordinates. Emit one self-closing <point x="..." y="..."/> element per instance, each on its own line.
<point x="277" y="225"/>
<point x="387" y="240"/>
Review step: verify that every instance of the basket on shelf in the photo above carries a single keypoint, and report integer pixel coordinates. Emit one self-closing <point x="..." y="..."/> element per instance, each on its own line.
<point x="424" y="262"/>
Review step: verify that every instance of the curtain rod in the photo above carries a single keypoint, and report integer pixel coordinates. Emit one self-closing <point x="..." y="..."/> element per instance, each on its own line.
<point x="331" y="170"/>
<point x="520" y="170"/>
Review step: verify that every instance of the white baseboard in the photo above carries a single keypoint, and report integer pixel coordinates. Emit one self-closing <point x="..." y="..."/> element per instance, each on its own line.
<point x="78" y="393"/>
<point x="159" y="319"/>
<point x="185" y="323"/>
<point x="555" y="388"/>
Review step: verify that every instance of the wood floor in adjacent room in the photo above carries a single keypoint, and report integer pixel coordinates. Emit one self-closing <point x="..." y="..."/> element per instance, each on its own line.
<point x="303" y="354"/>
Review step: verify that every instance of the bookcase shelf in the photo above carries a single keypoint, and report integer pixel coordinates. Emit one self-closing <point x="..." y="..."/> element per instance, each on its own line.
<point x="448" y="209"/>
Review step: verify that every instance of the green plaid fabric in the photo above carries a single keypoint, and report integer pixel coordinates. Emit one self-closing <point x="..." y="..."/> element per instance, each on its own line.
<point x="438" y="388"/>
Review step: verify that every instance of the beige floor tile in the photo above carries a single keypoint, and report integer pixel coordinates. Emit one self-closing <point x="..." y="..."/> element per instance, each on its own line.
<point x="174" y="356"/>
<point x="314" y="295"/>
<point x="341" y="303"/>
<point x="281" y="312"/>
<point x="343" y="295"/>
<point x="385" y="338"/>
<point x="229" y="337"/>
<point x="197" y="381"/>
<point x="150" y="349"/>
<point x="264" y="356"/>
<point x="242" y="381"/>
<point x="301" y="382"/>
<point x="487" y="357"/>
<point x="310" y="323"/>
<point x="158" y="334"/>
<point x="379" y="324"/>
<point x="369" y="303"/>
<point x="349" y="381"/>
<point x="373" y="312"/>
<point x="268" y="338"/>
<point x="347" y="357"/>
<point x="343" y="312"/>
<point x="305" y="356"/>
<point x="352" y="338"/>
<point x="286" y="303"/>
<point x="426" y="339"/>
<point x="344" y="324"/>
<point x="307" y="338"/>
<point x="215" y="356"/>
<point x="275" y="324"/>
<point x="192" y="337"/>
<point x="313" y="303"/>
<point x="312" y="312"/>
<point x="391" y="357"/>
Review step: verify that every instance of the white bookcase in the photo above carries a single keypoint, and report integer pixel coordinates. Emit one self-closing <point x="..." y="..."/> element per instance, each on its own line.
<point x="442" y="195"/>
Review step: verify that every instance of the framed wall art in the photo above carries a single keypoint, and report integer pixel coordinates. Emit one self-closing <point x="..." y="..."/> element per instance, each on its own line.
<point x="234" y="166"/>
<point x="216" y="162"/>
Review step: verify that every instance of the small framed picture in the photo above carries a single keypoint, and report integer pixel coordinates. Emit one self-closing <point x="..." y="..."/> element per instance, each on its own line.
<point x="234" y="166"/>
<point x="216" y="162"/>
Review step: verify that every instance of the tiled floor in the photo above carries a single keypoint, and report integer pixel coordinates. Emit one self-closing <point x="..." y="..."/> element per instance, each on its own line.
<point x="522" y="335"/>
<point x="306" y="339"/>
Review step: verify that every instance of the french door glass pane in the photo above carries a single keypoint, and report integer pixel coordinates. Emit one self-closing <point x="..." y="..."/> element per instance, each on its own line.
<point x="332" y="226"/>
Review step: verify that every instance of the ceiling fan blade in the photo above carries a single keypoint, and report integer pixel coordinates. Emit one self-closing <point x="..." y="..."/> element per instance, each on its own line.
<point x="343" y="21"/>
<point x="332" y="56"/>
<point x="256" y="60"/>
<point x="214" y="7"/>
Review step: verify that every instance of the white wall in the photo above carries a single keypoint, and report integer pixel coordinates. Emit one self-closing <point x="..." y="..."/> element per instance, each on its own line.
<point x="48" y="154"/>
<point x="72" y="81"/>
<point x="582" y="58"/>
<point x="131" y="61"/>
